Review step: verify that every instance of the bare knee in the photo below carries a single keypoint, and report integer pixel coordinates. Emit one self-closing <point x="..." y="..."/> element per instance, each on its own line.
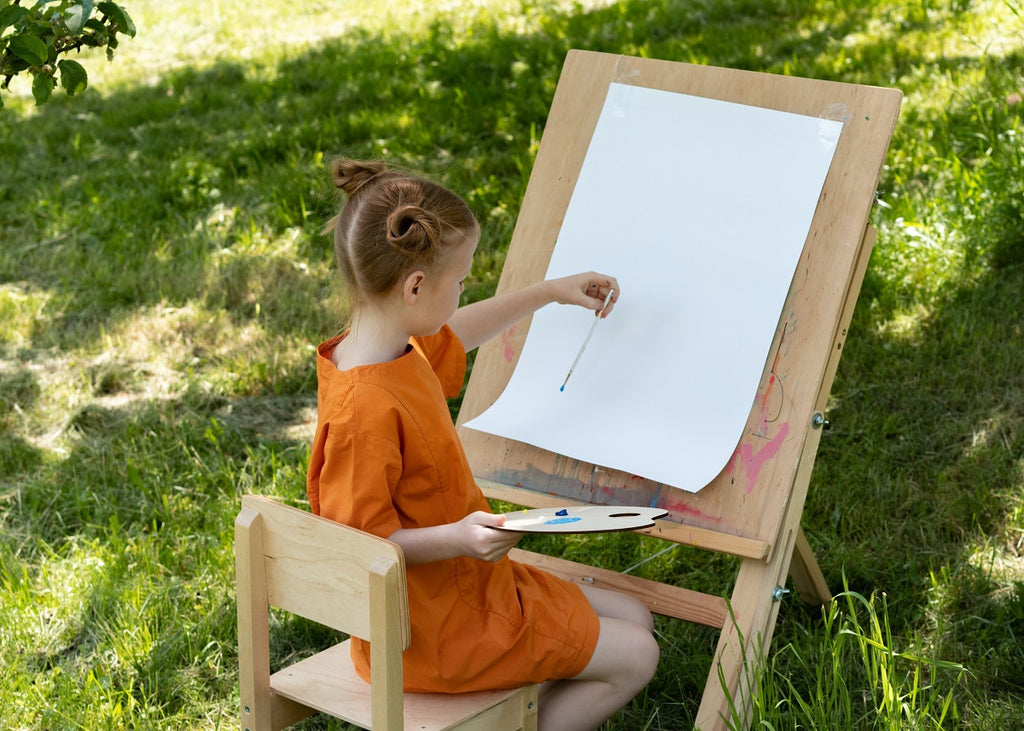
<point x="636" y="612"/>
<point x="646" y="656"/>
<point x="619" y="606"/>
<point x="623" y="662"/>
<point x="637" y="666"/>
<point x="626" y="656"/>
<point x="642" y="616"/>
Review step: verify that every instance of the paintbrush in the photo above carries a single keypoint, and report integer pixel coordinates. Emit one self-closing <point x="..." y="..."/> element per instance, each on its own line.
<point x="586" y="340"/>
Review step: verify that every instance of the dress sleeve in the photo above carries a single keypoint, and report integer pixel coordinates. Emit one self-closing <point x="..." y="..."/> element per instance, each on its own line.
<point x="447" y="356"/>
<point x="353" y="475"/>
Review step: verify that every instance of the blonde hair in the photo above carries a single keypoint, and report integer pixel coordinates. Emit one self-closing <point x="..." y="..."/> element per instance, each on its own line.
<point x="392" y="223"/>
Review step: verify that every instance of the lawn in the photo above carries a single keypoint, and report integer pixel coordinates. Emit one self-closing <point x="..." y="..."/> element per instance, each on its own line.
<point x="163" y="283"/>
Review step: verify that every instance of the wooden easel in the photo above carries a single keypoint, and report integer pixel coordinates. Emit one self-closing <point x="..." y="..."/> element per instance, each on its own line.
<point x="752" y="509"/>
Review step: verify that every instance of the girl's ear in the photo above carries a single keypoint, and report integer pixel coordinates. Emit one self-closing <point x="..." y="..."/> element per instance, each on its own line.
<point x="412" y="285"/>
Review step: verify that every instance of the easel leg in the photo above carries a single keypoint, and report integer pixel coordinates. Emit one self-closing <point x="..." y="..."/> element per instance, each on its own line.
<point x="806" y="574"/>
<point x="741" y="647"/>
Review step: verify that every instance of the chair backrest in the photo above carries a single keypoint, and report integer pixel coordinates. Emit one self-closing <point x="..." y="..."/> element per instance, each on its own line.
<point x="330" y="573"/>
<point x="321" y="570"/>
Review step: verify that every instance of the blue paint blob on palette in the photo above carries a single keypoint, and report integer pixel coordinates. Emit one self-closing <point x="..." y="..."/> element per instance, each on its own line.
<point x="562" y="521"/>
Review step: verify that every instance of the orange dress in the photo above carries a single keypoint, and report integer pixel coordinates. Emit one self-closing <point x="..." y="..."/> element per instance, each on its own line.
<point x="386" y="456"/>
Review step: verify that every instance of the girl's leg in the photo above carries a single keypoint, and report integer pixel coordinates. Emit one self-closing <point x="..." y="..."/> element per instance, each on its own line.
<point x="620" y="606"/>
<point x="623" y="663"/>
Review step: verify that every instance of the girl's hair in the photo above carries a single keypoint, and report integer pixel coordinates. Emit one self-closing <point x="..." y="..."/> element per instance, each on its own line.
<point x="392" y="223"/>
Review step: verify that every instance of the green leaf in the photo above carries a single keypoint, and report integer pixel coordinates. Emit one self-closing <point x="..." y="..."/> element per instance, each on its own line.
<point x="11" y="15"/>
<point x="13" y="64"/>
<point x="42" y="88"/>
<point x="72" y="76"/>
<point x="117" y="14"/>
<point x="29" y="49"/>
<point x="76" y="16"/>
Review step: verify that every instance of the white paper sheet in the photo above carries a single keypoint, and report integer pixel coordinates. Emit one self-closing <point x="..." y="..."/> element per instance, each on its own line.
<point x="700" y="209"/>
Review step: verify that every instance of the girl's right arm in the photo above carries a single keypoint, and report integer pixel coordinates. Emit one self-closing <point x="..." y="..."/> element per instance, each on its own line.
<point x="478" y="322"/>
<point x="473" y="536"/>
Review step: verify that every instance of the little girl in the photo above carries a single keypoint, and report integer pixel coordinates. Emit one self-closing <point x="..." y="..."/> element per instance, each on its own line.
<point x="386" y="459"/>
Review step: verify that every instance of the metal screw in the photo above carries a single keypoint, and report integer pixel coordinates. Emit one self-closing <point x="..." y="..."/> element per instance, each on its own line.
<point x="778" y="593"/>
<point x="818" y="420"/>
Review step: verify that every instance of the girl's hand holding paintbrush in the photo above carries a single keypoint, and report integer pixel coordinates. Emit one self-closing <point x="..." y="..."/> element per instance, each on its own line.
<point x="589" y="289"/>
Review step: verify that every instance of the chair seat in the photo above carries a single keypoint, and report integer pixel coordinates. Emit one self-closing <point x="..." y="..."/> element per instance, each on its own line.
<point x="328" y="682"/>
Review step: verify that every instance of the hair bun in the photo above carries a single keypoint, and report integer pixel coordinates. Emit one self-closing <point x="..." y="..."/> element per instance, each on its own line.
<point x="351" y="175"/>
<point x="413" y="230"/>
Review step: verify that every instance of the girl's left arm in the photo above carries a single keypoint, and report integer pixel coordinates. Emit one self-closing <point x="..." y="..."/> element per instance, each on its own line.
<point x="477" y="323"/>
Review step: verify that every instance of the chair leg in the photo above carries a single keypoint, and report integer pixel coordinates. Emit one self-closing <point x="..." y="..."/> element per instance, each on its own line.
<point x="530" y="708"/>
<point x="253" y="628"/>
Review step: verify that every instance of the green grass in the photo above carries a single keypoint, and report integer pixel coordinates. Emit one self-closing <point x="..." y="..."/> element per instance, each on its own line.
<point x="162" y="283"/>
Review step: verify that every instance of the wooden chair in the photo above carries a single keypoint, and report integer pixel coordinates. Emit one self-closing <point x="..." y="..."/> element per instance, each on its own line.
<point x="355" y="583"/>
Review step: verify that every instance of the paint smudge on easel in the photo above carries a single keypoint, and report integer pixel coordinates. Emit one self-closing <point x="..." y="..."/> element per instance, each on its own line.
<point x="753" y="460"/>
<point x="617" y="494"/>
<point x="506" y="343"/>
<point x="770" y="409"/>
<point x="679" y="509"/>
<point x="770" y="402"/>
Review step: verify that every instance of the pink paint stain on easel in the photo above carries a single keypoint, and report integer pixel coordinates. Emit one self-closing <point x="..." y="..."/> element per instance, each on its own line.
<point x="679" y="508"/>
<point x="753" y="460"/>
<point x="506" y="342"/>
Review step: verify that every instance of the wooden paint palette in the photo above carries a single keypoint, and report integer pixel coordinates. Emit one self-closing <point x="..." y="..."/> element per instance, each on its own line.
<point x="581" y="519"/>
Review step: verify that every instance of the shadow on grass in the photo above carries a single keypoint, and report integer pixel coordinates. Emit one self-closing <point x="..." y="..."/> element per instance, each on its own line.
<point x="139" y="514"/>
<point x="916" y="486"/>
<point x="156" y="186"/>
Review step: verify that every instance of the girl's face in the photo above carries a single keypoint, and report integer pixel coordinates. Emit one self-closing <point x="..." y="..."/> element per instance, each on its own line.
<point x="441" y="290"/>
